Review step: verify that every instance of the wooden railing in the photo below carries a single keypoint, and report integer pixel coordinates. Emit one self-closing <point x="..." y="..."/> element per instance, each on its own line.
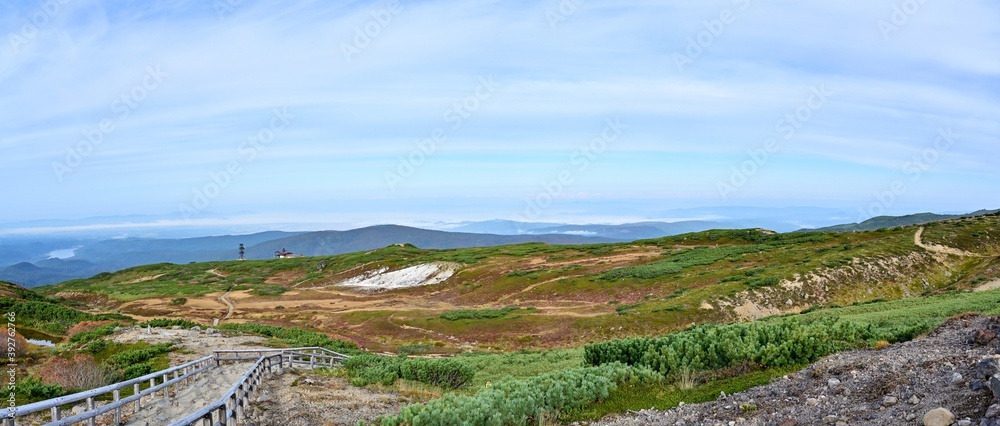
<point x="226" y="411"/>
<point x="169" y="377"/>
<point x="229" y="409"/>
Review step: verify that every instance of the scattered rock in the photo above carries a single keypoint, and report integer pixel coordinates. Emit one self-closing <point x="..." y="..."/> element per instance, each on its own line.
<point x="964" y="422"/>
<point x="830" y="419"/>
<point x="790" y="422"/>
<point x="889" y="401"/>
<point x="914" y="400"/>
<point x="994" y="385"/>
<point x="956" y="379"/>
<point x="939" y="417"/>
<point x="118" y="329"/>
<point x="833" y="382"/>
<point x="993" y="411"/>
<point x="196" y="328"/>
<point x="812" y="402"/>
<point x="988" y="367"/>
<point x="911" y="417"/>
<point x="211" y="330"/>
<point x="176" y="327"/>
<point x="983" y="337"/>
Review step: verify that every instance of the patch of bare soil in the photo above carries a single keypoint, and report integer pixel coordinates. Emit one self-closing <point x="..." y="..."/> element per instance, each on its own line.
<point x="937" y="248"/>
<point x="992" y="285"/>
<point x="303" y="398"/>
<point x="199" y="343"/>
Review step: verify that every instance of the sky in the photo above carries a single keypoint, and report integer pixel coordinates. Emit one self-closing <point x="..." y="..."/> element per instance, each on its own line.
<point x="571" y="110"/>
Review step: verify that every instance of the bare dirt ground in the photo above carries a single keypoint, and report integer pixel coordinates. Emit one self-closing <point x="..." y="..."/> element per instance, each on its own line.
<point x="992" y="285"/>
<point x="303" y="398"/>
<point x="197" y="343"/>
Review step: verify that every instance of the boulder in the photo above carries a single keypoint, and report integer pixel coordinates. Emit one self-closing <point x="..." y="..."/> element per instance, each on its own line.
<point x="939" y="417"/>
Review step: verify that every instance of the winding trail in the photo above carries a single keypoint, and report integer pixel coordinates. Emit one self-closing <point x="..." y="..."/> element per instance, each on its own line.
<point x="937" y="248"/>
<point x="228" y="303"/>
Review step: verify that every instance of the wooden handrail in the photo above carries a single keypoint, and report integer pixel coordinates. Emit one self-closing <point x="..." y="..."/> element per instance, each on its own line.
<point x="115" y="388"/>
<point x="230" y="406"/>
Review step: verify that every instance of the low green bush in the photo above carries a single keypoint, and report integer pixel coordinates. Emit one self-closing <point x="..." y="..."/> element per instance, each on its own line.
<point x="168" y="322"/>
<point x="470" y="314"/>
<point x="526" y="401"/>
<point x="758" y="282"/>
<point x="136" y="370"/>
<point x="374" y="369"/>
<point x="32" y="389"/>
<point x="96" y="346"/>
<point x="767" y="343"/>
<point x="96" y="333"/>
<point x="677" y="262"/>
<point x="132" y="357"/>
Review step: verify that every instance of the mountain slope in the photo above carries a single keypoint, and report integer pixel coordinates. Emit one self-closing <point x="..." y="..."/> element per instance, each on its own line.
<point x="881" y="222"/>
<point x="537" y="295"/>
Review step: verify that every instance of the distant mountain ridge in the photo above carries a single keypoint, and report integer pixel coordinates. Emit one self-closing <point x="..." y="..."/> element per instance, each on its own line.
<point x="881" y="222"/>
<point x="373" y="237"/>
<point x="115" y="254"/>
<point x="25" y="262"/>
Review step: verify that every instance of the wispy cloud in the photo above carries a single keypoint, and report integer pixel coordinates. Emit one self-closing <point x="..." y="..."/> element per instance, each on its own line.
<point x="355" y="118"/>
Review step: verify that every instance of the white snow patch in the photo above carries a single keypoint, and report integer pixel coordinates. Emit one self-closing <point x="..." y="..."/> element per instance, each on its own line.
<point x="413" y="276"/>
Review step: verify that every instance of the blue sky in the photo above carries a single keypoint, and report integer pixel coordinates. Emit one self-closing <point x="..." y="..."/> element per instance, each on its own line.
<point x="198" y="110"/>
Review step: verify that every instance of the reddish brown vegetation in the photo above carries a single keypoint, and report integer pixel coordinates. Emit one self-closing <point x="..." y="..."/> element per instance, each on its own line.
<point x="80" y="373"/>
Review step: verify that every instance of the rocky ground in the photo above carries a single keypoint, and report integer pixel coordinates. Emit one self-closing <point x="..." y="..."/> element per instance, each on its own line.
<point x="303" y="398"/>
<point x="197" y="342"/>
<point x="942" y="379"/>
